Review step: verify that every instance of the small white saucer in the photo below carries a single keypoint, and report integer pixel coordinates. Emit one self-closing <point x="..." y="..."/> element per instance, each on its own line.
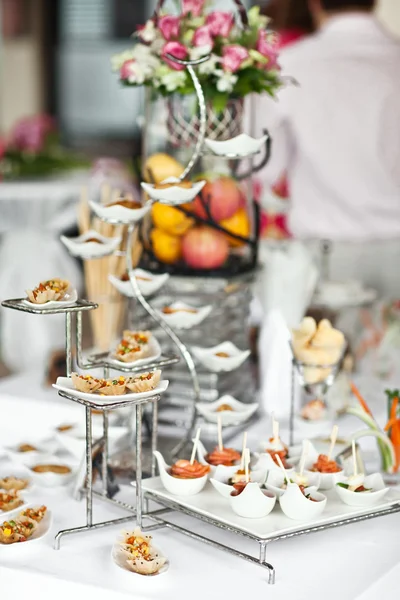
<point x="183" y="319"/>
<point x="207" y="356"/>
<point x="154" y="354"/>
<point x="42" y="529"/>
<point x="173" y="195"/>
<point x="238" y="147"/>
<point x="148" y="283"/>
<point x="79" y="246"/>
<point x="70" y="297"/>
<point x="241" y="412"/>
<point x="119" y="214"/>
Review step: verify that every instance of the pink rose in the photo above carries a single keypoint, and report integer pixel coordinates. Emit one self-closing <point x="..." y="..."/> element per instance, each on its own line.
<point x="169" y="27"/>
<point x="127" y="69"/>
<point x="233" y="57"/>
<point x="30" y="134"/>
<point x="220" y="23"/>
<point x="202" y="37"/>
<point x="175" y="49"/>
<point x="194" y="7"/>
<point x="267" y="49"/>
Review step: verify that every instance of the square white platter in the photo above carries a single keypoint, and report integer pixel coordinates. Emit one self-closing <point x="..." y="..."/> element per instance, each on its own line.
<point x="213" y="506"/>
<point x="64" y="384"/>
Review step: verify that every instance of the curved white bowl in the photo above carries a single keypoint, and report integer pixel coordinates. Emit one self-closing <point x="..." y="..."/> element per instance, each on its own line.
<point x="240" y="146"/>
<point x="147" y="288"/>
<point x="178" y="487"/>
<point x="217" y="363"/>
<point x="223" y="474"/>
<point x="154" y="354"/>
<point x="42" y="529"/>
<point x="253" y="502"/>
<point x="241" y="412"/>
<point x="44" y="447"/>
<point x="265" y="461"/>
<point x="367" y="499"/>
<point x="296" y="506"/>
<point x="52" y="479"/>
<point x="118" y="213"/>
<point x="174" y="195"/>
<point x="275" y="481"/>
<point x="185" y="320"/>
<point x="78" y="246"/>
<point x="70" y="298"/>
<point x="327" y="479"/>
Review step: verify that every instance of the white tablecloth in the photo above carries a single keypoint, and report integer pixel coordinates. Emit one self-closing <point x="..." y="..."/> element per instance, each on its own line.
<point x="357" y="562"/>
<point x="33" y="214"/>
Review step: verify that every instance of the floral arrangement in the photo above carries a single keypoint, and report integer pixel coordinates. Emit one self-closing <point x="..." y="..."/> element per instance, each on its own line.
<point x="33" y="149"/>
<point x="243" y="57"/>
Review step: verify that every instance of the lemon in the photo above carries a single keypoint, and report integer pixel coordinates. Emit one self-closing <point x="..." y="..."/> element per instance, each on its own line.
<point x="161" y="166"/>
<point x="170" y="219"/>
<point x="167" y="248"/>
<point x="238" y="224"/>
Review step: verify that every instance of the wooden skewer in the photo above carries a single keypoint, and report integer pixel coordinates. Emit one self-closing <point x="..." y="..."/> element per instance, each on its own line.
<point x="195" y="444"/>
<point x="242" y="462"/>
<point x="353" y="449"/>
<point x="220" y="444"/>
<point x="278" y="460"/>
<point x="334" y="435"/>
<point x="275" y="430"/>
<point x="246" y="465"/>
<point x="304" y="455"/>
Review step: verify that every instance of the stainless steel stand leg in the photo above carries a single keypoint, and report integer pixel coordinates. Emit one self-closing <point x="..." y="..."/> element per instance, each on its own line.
<point x="89" y="474"/>
<point x="139" y="496"/>
<point x="68" y="343"/>
<point x="104" y="465"/>
<point x="291" y="421"/>
<point x="263" y="556"/>
<point x="154" y="435"/>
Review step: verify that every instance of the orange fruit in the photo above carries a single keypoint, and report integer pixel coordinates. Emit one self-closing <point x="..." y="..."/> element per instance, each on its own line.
<point x="167" y="248"/>
<point x="170" y="219"/>
<point x="161" y="166"/>
<point x="238" y="224"/>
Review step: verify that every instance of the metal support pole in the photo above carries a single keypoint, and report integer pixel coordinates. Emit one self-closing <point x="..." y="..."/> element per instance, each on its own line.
<point x="139" y="495"/>
<point x="104" y="465"/>
<point x="68" y="343"/>
<point x="89" y="474"/>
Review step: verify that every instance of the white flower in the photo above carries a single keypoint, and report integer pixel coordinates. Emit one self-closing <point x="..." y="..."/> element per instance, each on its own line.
<point x="117" y="60"/>
<point x="149" y="33"/>
<point x="226" y="81"/>
<point x="208" y="67"/>
<point x="157" y="46"/>
<point x="173" y="80"/>
<point x="145" y="56"/>
<point x="199" y="52"/>
<point x="257" y="20"/>
<point x="136" y="74"/>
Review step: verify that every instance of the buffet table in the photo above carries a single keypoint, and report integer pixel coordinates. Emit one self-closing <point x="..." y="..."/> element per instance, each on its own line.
<point x="352" y="562"/>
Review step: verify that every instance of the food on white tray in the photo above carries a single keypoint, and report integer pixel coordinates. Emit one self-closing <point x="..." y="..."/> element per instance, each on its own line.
<point x="126" y="203"/>
<point x="144" y="382"/>
<point x="315" y="410"/>
<point x="66" y="427"/>
<point x="47" y="291"/>
<point x="168" y="310"/>
<point x="325" y="465"/>
<point x="22" y="527"/>
<point x="224" y="407"/>
<point x="49" y="468"/>
<point x="184" y="469"/>
<point x="115" y="387"/>
<point x="222" y="354"/>
<point x="133" y="346"/>
<point x="227" y="457"/>
<point x="140" y="554"/>
<point x="10" y="500"/>
<point x="13" y="483"/>
<point x="26" y="448"/>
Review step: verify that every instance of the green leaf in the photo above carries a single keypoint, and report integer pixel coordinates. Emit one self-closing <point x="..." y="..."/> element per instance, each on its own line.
<point x="219" y="101"/>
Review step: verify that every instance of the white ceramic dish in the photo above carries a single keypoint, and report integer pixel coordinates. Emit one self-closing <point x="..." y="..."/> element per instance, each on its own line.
<point x="18" y="471"/>
<point x="178" y="487"/>
<point x="79" y="246"/>
<point x="76" y="445"/>
<point x="71" y="296"/>
<point x="118" y="213"/>
<point x="64" y="384"/>
<point x="43" y="447"/>
<point x="327" y="479"/>
<point x="240" y="146"/>
<point x="150" y="284"/>
<point x="266" y="462"/>
<point x="207" y="356"/>
<point x="299" y="508"/>
<point x="154" y="354"/>
<point x="173" y="195"/>
<point x="253" y="502"/>
<point x="212" y="505"/>
<point x="51" y="480"/>
<point x="119" y="558"/>
<point x="42" y="529"/>
<point x="185" y="320"/>
<point x="275" y="481"/>
<point x="241" y="412"/>
<point x="363" y="499"/>
<point x="223" y="474"/>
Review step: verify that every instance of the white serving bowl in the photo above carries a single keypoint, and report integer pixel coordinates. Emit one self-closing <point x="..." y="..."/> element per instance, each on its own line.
<point x="52" y="479"/>
<point x="148" y="286"/>
<point x="119" y="214"/>
<point x="296" y="506"/>
<point x="253" y="502"/>
<point x="70" y="297"/>
<point x="275" y="481"/>
<point x="42" y="529"/>
<point x="176" y="486"/>
<point x="79" y="246"/>
<point x="207" y="356"/>
<point x="223" y="474"/>
<point x="173" y="195"/>
<point x="265" y="461"/>
<point x="241" y="412"/>
<point x="44" y="447"/>
<point x="240" y="146"/>
<point x="185" y="320"/>
<point x="364" y="499"/>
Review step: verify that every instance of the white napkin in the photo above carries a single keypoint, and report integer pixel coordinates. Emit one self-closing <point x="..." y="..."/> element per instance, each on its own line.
<point x="287" y="281"/>
<point x="275" y="367"/>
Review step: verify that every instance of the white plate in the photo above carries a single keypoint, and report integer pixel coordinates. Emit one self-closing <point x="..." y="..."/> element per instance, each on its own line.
<point x="240" y="414"/>
<point x="118" y="213"/>
<point x="78" y="246"/>
<point x="52" y="479"/>
<point x="211" y="504"/>
<point x="239" y="146"/>
<point x="214" y="363"/>
<point x="71" y="296"/>
<point x="185" y="320"/>
<point x="154" y="354"/>
<point x="42" y="529"/>
<point x="147" y="288"/>
<point x="119" y="559"/>
<point x="174" y="195"/>
<point x="64" y="384"/>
